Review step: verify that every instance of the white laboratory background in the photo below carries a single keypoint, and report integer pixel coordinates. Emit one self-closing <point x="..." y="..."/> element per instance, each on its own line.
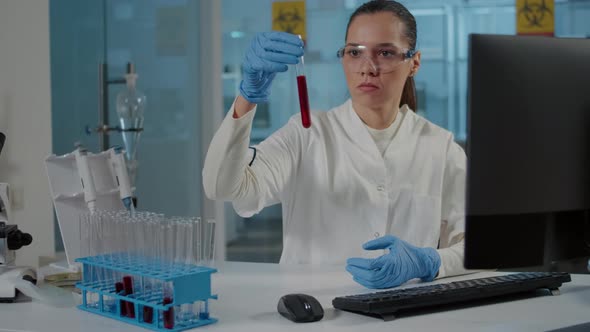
<point x="176" y="44"/>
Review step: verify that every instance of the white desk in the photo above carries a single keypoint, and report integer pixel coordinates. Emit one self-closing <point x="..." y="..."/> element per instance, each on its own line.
<point x="249" y="292"/>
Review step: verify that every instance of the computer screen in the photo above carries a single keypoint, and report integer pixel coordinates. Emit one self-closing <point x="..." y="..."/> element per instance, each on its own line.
<point x="528" y="147"/>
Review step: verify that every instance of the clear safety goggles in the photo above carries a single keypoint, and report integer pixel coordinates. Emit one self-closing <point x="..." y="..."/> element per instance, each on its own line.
<point x="383" y="58"/>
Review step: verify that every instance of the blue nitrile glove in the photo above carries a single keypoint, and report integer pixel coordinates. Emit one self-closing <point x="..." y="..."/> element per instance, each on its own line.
<point x="268" y="54"/>
<point x="402" y="263"/>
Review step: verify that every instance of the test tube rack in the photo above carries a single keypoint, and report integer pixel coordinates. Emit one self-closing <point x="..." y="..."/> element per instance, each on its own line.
<point x="190" y="284"/>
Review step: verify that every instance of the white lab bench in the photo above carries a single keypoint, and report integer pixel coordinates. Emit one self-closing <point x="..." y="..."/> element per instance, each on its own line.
<point x="249" y="292"/>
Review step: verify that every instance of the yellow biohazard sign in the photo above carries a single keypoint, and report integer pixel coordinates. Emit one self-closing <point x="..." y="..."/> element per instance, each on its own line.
<point x="535" y="17"/>
<point x="289" y="16"/>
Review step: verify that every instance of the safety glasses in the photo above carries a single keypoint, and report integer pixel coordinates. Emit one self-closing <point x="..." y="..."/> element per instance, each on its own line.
<point x="383" y="58"/>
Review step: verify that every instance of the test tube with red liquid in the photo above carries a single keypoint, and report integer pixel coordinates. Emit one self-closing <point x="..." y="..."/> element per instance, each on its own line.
<point x="302" y="89"/>
<point x="119" y="288"/>
<point x="168" y="314"/>
<point x="128" y="287"/>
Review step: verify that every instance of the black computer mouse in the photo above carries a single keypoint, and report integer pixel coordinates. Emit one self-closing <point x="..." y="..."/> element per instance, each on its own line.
<point x="300" y="308"/>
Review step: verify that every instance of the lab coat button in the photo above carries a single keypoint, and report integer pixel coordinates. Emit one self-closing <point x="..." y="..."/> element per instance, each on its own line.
<point x="377" y="234"/>
<point x="380" y="188"/>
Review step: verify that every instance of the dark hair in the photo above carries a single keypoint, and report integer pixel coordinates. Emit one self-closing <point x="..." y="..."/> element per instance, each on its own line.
<point x="410" y="32"/>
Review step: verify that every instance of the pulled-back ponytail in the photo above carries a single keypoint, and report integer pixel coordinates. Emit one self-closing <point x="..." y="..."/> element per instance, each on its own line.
<point x="409" y="95"/>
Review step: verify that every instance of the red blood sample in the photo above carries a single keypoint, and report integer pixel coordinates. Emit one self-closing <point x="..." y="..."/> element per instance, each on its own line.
<point x="148" y="314"/>
<point x="168" y="314"/>
<point x="119" y="289"/>
<point x="128" y="285"/>
<point x="303" y="101"/>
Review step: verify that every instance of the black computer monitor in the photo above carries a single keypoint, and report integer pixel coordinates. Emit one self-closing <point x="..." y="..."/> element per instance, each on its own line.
<point x="528" y="173"/>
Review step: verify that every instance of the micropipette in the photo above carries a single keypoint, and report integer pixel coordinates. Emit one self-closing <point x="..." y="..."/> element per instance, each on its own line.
<point x="86" y="178"/>
<point x="122" y="178"/>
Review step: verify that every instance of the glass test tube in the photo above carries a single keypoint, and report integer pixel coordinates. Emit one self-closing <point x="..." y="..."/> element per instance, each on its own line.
<point x="210" y="241"/>
<point x="120" y="289"/>
<point x="188" y="308"/>
<point x="108" y="241"/>
<point x="87" y="250"/>
<point x="302" y="89"/>
<point x="151" y="223"/>
<point x="168" y="314"/>
<point x="139" y="233"/>
<point x="128" y="282"/>
<point x="97" y="221"/>
<point x="198" y="236"/>
<point x="168" y="236"/>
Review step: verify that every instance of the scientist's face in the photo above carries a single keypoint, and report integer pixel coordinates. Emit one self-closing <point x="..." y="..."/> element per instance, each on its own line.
<point x="373" y="60"/>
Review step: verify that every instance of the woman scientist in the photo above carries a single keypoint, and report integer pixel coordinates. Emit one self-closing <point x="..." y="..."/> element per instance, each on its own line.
<point x="368" y="171"/>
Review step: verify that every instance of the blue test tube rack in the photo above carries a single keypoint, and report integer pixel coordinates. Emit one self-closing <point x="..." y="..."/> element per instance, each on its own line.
<point x="190" y="284"/>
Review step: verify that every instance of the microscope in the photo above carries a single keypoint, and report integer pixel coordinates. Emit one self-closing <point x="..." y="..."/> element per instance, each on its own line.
<point x="11" y="239"/>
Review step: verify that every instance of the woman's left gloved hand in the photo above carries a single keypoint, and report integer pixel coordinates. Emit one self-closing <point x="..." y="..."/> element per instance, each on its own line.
<point x="402" y="263"/>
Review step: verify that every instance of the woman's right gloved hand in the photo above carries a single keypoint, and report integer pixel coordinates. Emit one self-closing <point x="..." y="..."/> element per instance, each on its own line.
<point x="268" y="54"/>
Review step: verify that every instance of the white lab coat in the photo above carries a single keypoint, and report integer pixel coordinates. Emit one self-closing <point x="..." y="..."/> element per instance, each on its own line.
<point x="338" y="191"/>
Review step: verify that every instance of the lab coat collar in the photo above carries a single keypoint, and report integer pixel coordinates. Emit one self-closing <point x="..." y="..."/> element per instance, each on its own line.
<point x="358" y="133"/>
<point x="408" y="117"/>
<point x="355" y="128"/>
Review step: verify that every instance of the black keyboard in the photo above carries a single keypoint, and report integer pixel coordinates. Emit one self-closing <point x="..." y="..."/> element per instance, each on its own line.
<point x="388" y="304"/>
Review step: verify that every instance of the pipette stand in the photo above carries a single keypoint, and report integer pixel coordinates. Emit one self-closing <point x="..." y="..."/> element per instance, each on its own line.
<point x="68" y="197"/>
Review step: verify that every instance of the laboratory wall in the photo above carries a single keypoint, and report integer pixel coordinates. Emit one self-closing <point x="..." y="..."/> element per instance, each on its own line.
<point x="443" y="29"/>
<point x="173" y="44"/>
<point x="25" y="118"/>
<point x="188" y="56"/>
<point x="161" y="37"/>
